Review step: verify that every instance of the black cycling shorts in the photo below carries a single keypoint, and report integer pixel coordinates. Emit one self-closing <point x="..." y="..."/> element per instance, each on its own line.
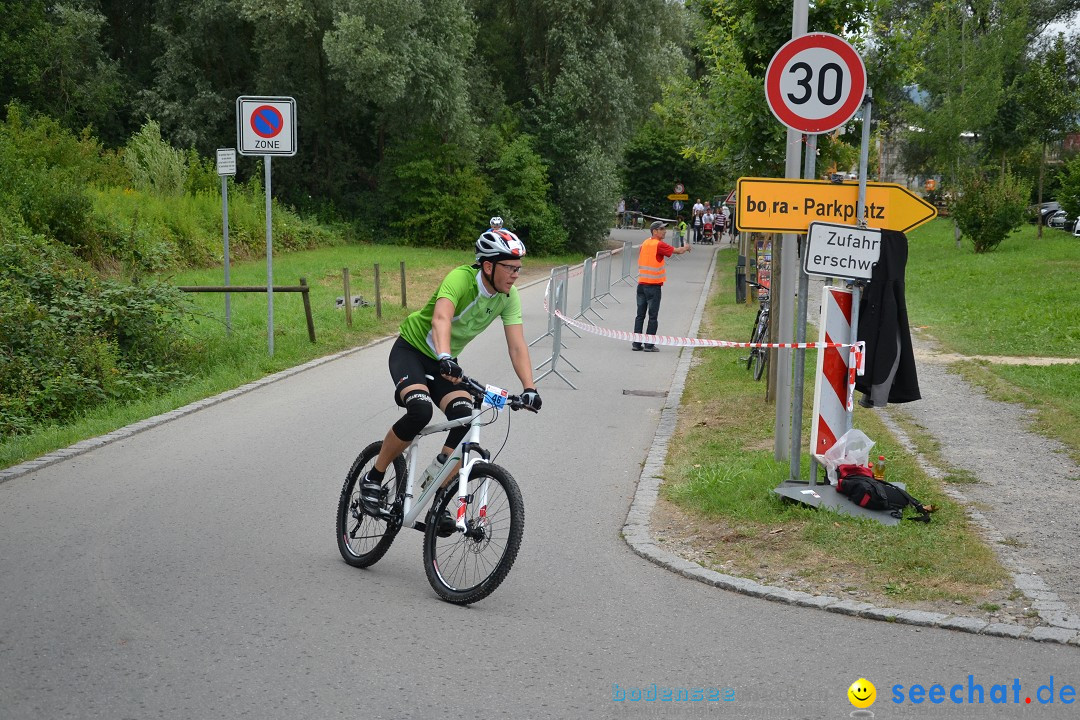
<point x="409" y="366"/>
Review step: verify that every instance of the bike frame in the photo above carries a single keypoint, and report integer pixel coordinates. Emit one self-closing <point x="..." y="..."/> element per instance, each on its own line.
<point x="468" y="458"/>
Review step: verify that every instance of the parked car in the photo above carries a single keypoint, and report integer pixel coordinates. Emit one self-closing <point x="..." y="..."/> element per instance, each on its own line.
<point x="1059" y="219"/>
<point x="1046" y="210"/>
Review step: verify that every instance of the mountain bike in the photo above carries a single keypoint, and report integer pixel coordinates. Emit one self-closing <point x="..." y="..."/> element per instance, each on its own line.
<point x="473" y="527"/>
<point x="759" y="357"/>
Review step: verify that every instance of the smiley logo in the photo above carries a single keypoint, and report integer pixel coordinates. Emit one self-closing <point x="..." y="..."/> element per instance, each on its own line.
<point x="862" y="693"/>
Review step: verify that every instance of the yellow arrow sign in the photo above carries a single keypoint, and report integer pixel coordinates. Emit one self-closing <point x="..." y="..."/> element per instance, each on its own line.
<point x="781" y="205"/>
<point x="678" y="196"/>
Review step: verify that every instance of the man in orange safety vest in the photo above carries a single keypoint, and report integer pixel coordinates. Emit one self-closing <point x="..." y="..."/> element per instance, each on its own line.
<point x="651" y="275"/>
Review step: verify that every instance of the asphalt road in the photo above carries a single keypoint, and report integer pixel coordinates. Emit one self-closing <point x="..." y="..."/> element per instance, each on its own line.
<point x="191" y="571"/>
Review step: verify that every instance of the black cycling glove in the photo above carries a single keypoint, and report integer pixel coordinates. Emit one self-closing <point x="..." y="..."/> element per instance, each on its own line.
<point x="531" y="399"/>
<point x="448" y="366"/>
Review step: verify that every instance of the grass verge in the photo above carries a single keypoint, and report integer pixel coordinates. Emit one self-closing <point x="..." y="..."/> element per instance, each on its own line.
<point x="1023" y="299"/>
<point x="721" y="473"/>
<point x="227" y="361"/>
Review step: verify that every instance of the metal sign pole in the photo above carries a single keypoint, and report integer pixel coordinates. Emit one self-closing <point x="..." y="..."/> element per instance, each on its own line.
<point x="225" y="226"/>
<point x="269" y="263"/>
<point x="784" y="296"/>
<point x="226" y="166"/>
<point x="809" y="168"/>
<point x="860" y="213"/>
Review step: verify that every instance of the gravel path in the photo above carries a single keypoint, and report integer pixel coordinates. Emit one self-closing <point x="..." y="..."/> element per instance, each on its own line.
<point x="1027" y="491"/>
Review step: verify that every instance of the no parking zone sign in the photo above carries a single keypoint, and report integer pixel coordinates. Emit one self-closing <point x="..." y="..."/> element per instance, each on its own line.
<point x="266" y="125"/>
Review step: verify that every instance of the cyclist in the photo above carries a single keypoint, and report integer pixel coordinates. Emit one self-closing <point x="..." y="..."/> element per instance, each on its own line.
<point x="467" y="301"/>
<point x="496" y="224"/>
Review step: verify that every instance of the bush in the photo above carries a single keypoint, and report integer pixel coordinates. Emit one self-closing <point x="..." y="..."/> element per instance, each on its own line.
<point x="587" y="196"/>
<point x="43" y="173"/>
<point x="520" y="189"/>
<point x="71" y="341"/>
<point x="987" y="209"/>
<point x="155" y="166"/>
<point x="432" y="192"/>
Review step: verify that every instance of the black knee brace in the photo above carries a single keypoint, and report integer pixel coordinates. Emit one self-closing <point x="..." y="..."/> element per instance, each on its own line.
<point x="462" y="407"/>
<point x="417" y="415"/>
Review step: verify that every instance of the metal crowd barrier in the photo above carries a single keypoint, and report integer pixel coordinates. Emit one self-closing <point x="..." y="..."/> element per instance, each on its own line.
<point x="586" y="293"/>
<point x="556" y="298"/>
<point x="602" y="281"/>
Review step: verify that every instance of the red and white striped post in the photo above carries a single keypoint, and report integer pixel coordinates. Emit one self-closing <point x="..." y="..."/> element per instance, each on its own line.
<point x="831" y="386"/>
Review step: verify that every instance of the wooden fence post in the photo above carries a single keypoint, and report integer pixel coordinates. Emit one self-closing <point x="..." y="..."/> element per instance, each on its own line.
<point x="404" y="304"/>
<point x="378" y="295"/>
<point x="348" y="297"/>
<point x="307" y="309"/>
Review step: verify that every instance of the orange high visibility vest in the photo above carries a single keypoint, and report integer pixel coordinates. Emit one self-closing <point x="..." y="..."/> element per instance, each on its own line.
<point x="650" y="270"/>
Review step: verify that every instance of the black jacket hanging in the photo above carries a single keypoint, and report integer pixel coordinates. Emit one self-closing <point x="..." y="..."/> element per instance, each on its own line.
<point x="890" y="375"/>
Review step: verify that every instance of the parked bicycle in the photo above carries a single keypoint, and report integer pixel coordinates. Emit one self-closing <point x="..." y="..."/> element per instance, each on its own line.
<point x="473" y="527"/>
<point x="759" y="357"/>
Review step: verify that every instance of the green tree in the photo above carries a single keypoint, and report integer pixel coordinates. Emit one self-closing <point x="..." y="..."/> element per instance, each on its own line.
<point x="406" y="59"/>
<point x="52" y="60"/>
<point x="1069" y="194"/>
<point x="586" y="77"/>
<point x="655" y="162"/>
<point x="520" y="192"/>
<point x="723" y="113"/>
<point x="433" y="190"/>
<point x="1051" y="98"/>
<point x="205" y="59"/>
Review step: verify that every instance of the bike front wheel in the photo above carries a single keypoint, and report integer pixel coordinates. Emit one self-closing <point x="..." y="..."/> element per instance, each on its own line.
<point x="364" y="538"/>
<point x="468" y="566"/>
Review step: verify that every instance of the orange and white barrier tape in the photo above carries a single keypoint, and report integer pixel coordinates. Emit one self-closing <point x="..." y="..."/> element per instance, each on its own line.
<point x="856" y="360"/>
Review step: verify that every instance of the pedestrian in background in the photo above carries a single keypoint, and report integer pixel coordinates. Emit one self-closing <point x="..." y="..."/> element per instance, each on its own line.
<point x="695" y="220"/>
<point x="680" y="232"/>
<point x="725" y="212"/>
<point x="707" y="221"/>
<point x="651" y="275"/>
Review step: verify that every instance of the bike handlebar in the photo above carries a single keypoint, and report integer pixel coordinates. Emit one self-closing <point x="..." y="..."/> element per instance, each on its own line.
<point x="478" y="390"/>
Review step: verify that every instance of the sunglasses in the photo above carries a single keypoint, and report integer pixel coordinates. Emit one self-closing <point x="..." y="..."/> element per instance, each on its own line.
<point x="512" y="269"/>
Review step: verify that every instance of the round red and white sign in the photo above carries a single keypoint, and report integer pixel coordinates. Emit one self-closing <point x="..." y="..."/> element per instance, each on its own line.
<point x="815" y="83"/>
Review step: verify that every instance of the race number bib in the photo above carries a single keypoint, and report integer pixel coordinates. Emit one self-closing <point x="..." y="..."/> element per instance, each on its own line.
<point x="495" y="397"/>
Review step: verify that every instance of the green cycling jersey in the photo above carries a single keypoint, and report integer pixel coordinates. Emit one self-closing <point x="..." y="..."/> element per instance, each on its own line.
<point x="474" y="310"/>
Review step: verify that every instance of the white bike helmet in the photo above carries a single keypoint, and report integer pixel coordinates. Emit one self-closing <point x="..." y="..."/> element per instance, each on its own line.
<point x="499" y="245"/>
<point x="496" y="223"/>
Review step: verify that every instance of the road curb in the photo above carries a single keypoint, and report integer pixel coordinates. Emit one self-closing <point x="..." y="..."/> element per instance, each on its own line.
<point x="637" y="532"/>
<point x="84" y="446"/>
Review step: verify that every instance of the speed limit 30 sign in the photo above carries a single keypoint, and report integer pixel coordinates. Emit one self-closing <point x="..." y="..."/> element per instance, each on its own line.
<point x="815" y="83"/>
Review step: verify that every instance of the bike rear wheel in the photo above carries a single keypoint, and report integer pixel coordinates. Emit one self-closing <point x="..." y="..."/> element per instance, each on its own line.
<point x="761" y="356"/>
<point x="363" y="538"/>
<point x="466" y="567"/>
<point x="753" y="339"/>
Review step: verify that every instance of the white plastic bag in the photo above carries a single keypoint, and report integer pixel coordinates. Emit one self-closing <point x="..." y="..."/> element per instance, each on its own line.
<point x="852" y="448"/>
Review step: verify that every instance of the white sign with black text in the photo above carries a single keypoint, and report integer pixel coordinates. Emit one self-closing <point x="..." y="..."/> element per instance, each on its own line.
<point x="226" y="161"/>
<point x="845" y="251"/>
